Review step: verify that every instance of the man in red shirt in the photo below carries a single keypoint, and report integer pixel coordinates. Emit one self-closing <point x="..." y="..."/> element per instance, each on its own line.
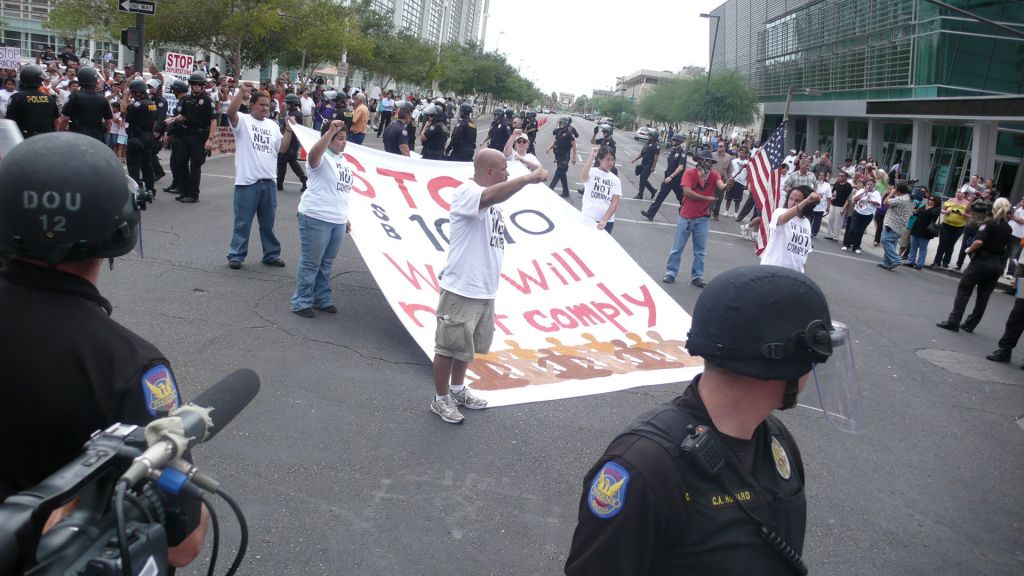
<point x="699" y="186"/>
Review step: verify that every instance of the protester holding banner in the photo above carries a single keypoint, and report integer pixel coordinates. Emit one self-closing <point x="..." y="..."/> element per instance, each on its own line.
<point x="323" y="219"/>
<point x="257" y="142"/>
<point x="469" y="281"/>
<point x="602" y="188"/>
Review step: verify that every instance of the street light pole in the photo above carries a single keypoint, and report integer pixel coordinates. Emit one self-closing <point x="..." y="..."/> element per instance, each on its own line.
<point x="711" y="61"/>
<point x="789" y="97"/>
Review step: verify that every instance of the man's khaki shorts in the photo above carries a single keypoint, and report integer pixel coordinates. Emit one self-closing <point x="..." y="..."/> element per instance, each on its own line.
<point x="465" y="326"/>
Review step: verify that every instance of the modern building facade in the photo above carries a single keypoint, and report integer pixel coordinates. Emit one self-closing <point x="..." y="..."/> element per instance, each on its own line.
<point x="636" y="85"/>
<point x="436" y="21"/>
<point x="895" y="80"/>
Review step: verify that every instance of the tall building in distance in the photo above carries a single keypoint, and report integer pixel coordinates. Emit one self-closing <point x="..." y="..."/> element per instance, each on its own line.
<point x="436" y="21"/>
<point x="902" y="81"/>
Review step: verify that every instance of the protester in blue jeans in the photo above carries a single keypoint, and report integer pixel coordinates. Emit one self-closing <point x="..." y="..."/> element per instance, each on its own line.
<point x="323" y="220"/>
<point x="258" y="140"/>
<point x="921" y="234"/>
<point x="699" y="186"/>
<point x="900" y="206"/>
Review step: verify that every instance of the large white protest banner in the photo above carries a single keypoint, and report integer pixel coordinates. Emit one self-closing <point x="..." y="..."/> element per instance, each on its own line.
<point x="575" y="314"/>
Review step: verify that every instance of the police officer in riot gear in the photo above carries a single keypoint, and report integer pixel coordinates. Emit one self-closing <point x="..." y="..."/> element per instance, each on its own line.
<point x="675" y="165"/>
<point x="139" y="112"/>
<point x="61" y="385"/>
<point x="463" y="143"/>
<point x="291" y="156"/>
<point x="500" y="131"/>
<point x="33" y="110"/>
<point x="156" y="94"/>
<point x="564" y="146"/>
<point x="87" y="111"/>
<point x="173" y="131"/>
<point x="434" y="133"/>
<point x="530" y="129"/>
<point x="605" y="140"/>
<point x="648" y="159"/>
<point x="198" y="123"/>
<point x="712" y="482"/>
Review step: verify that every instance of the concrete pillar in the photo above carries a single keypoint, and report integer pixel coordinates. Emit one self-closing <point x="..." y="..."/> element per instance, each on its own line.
<point x="983" y="149"/>
<point x="876" y="128"/>
<point x="813" y="134"/>
<point x="92" y="52"/>
<point x="121" y="55"/>
<point x="920" y="151"/>
<point x="840" y="140"/>
<point x="790" y="136"/>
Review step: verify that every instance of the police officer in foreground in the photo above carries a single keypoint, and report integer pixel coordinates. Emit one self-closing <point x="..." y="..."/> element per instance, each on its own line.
<point x="463" y="143"/>
<point x="139" y="113"/>
<point x="33" y="110"/>
<point x="675" y="165"/>
<point x="198" y="124"/>
<point x="68" y="368"/>
<point x="712" y="482"/>
<point x="87" y="111"/>
<point x="434" y="133"/>
<point x="564" y="146"/>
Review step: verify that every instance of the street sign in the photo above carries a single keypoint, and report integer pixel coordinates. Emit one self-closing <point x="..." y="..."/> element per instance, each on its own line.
<point x="137" y="7"/>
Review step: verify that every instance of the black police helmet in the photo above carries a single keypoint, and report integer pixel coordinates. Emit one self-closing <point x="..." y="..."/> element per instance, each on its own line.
<point x="531" y="115"/>
<point x="138" y="86"/>
<point x="465" y="109"/>
<point x="565" y="121"/>
<point x="406" y="105"/>
<point x="499" y="111"/>
<point x="179" y="86"/>
<point x="791" y="328"/>
<point x="606" y="128"/>
<point x="87" y="77"/>
<point x="292" y="99"/>
<point x="677" y="138"/>
<point x="197" y="78"/>
<point x="31" y="76"/>
<point x="57" y="215"/>
<point x="510" y="113"/>
<point x="431" y="110"/>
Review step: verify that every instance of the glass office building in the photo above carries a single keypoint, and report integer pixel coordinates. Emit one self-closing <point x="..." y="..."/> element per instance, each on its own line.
<point x="896" y="80"/>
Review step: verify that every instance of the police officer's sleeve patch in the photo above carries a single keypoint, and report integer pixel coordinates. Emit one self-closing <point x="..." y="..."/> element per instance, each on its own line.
<point x="607" y="494"/>
<point x="160" y="390"/>
<point x="137" y="104"/>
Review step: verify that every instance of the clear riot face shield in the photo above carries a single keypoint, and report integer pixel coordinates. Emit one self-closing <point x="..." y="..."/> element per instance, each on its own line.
<point x="10" y="136"/>
<point x="836" y="386"/>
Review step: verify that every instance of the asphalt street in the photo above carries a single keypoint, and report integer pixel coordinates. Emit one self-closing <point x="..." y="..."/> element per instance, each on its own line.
<point x="341" y="468"/>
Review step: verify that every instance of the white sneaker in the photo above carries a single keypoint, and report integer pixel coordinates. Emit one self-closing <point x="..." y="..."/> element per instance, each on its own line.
<point x="857" y="251"/>
<point x="468" y="399"/>
<point x="446" y="409"/>
<point x="845" y="248"/>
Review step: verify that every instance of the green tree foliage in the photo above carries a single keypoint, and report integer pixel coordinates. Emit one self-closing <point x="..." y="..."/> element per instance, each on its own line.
<point x="338" y="31"/>
<point x="91" y="18"/>
<point x="730" y="100"/>
<point x="620" y="109"/>
<point x="582" y="104"/>
<point x="467" y="71"/>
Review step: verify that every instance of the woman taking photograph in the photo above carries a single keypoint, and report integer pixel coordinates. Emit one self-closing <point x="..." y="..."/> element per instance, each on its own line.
<point x="603" y="190"/>
<point x="990" y="246"/>
<point x="921" y="233"/>
<point x="954" y="218"/>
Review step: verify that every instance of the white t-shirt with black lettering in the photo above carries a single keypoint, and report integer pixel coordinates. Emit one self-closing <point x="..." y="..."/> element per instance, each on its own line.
<point x="598" y="192"/>
<point x="789" y="244"/>
<point x="256" y="146"/>
<point x="329" y="184"/>
<point x="477" y="245"/>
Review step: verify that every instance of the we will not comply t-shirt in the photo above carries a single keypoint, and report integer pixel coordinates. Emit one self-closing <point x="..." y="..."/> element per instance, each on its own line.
<point x="477" y="245"/>
<point x="256" y="146"/>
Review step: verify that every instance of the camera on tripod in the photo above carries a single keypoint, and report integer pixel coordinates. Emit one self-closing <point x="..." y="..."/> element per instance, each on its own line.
<point x="131" y="492"/>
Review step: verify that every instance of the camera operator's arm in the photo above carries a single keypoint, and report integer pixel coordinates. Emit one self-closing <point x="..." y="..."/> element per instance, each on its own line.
<point x="192" y="545"/>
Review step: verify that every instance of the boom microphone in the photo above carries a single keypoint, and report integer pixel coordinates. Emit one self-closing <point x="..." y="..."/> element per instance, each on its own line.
<point x="195" y="423"/>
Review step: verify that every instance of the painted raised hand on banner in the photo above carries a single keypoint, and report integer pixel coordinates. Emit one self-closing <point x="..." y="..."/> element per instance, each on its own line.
<point x="645" y="359"/>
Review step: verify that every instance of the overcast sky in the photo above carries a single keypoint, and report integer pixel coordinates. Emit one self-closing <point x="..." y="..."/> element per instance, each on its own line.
<point x="576" y="46"/>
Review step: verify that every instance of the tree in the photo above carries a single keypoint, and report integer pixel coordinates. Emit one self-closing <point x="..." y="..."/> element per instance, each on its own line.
<point x="729" y="100"/>
<point x="337" y="32"/>
<point x="93" y="18"/>
<point x="581" y="104"/>
<point x="620" y="109"/>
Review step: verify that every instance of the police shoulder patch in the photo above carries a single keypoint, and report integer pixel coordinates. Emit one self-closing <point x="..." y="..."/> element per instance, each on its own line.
<point x="160" y="390"/>
<point x="982" y="227"/>
<point x="607" y="495"/>
<point x="137" y="104"/>
<point x="781" y="459"/>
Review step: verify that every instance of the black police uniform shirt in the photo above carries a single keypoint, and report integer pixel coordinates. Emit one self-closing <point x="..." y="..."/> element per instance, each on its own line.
<point x="564" y="137"/>
<point x="410" y="134"/>
<point x="648" y="153"/>
<point x="394" y="136"/>
<point x="345" y="115"/>
<point x="141" y="117"/>
<point x="648" y="510"/>
<point x="530" y="128"/>
<point x="161" y="113"/>
<point x="609" y="142"/>
<point x="499" y="134"/>
<point x="436" y="136"/>
<point x="463" y="136"/>
<point x="69" y="370"/>
<point x="293" y="146"/>
<point x="996" y="238"/>
<point x="198" y="112"/>
<point x="88" y="112"/>
<point x="33" y="111"/>
<point x="675" y="157"/>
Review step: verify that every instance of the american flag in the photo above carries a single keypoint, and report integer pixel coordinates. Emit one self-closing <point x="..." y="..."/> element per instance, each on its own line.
<point x="764" y="180"/>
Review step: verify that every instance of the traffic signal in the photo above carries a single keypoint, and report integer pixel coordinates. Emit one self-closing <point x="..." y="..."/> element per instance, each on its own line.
<point x="131" y="38"/>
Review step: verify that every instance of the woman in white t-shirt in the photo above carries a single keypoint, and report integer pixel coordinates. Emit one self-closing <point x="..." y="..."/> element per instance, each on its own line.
<point x="824" y="191"/>
<point x="323" y="219"/>
<point x="602" y="190"/>
<point x="865" y="202"/>
<point x="516" y="149"/>
<point x="789" y="232"/>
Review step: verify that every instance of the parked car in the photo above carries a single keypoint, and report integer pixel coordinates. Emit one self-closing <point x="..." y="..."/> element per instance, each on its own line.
<point x="643" y="133"/>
